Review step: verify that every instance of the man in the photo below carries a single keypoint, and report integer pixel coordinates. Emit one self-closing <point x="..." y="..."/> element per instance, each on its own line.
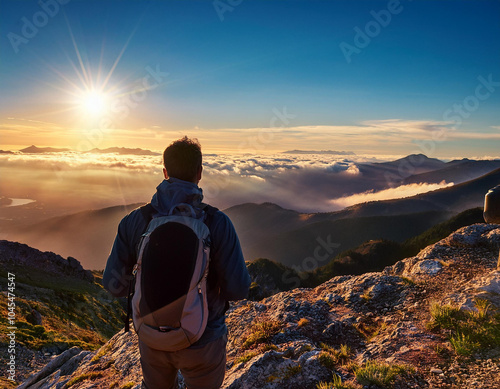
<point x="202" y="364"/>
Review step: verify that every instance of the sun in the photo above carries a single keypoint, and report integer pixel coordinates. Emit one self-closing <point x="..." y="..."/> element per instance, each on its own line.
<point x="94" y="103"/>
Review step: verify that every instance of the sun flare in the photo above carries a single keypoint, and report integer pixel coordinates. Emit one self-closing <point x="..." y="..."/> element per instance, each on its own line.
<point x="94" y="103"/>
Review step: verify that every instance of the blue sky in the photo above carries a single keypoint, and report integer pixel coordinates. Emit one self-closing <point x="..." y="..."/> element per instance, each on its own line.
<point x="228" y="78"/>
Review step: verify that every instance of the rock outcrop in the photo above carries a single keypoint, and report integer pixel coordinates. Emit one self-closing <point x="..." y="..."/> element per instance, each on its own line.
<point x="298" y="338"/>
<point x="21" y="255"/>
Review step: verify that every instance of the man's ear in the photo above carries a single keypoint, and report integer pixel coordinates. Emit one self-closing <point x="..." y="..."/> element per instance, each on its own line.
<point x="165" y="173"/>
<point x="198" y="175"/>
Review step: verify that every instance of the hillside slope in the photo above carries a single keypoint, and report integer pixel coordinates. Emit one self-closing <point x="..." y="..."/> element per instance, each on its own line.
<point x="455" y="171"/>
<point x="374" y="255"/>
<point x="456" y="198"/>
<point x="57" y="305"/>
<point x="429" y="321"/>
<point x="292" y="248"/>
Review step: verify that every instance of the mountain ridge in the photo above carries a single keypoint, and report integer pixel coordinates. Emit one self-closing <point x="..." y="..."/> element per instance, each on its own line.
<point x="36" y="150"/>
<point x="456" y="198"/>
<point x="455" y="171"/>
<point x="123" y="150"/>
<point x="414" y="162"/>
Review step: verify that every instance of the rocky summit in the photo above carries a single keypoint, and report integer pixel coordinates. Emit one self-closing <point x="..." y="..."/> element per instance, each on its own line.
<point x="430" y="321"/>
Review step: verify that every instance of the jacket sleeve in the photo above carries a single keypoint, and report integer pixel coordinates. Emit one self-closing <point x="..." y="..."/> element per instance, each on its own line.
<point x="123" y="256"/>
<point x="227" y="257"/>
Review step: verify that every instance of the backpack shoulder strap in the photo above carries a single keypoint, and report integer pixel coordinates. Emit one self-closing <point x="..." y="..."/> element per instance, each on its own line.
<point x="147" y="211"/>
<point x="208" y="208"/>
<point x="210" y="212"/>
<point x="209" y="215"/>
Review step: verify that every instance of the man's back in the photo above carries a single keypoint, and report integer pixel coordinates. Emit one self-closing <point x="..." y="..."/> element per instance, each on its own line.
<point x="227" y="279"/>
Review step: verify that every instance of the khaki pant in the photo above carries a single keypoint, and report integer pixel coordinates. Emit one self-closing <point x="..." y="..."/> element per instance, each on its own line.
<point x="202" y="368"/>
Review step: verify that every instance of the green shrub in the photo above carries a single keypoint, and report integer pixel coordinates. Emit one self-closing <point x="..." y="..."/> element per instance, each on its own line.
<point x="370" y="330"/>
<point x="246" y="357"/>
<point x="483" y="307"/>
<point x="407" y="281"/>
<point x="380" y="374"/>
<point x="102" y="352"/>
<point x="292" y="371"/>
<point x="464" y="345"/>
<point x="445" y="316"/>
<point x="344" y="353"/>
<point x="468" y="331"/>
<point x="341" y="355"/>
<point x="327" y="360"/>
<point x="262" y="332"/>
<point x="336" y="383"/>
<point x="83" y="377"/>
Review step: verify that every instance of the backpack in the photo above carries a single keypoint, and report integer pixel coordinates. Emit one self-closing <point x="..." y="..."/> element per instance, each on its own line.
<point x="169" y="303"/>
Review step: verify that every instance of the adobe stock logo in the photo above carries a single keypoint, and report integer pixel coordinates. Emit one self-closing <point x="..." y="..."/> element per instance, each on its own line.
<point x="223" y="6"/>
<point x="31" y="27"/>
<point x="324" y="251"/>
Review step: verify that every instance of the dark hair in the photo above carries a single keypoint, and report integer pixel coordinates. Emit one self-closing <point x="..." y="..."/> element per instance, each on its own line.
<point x="182" y="159"/>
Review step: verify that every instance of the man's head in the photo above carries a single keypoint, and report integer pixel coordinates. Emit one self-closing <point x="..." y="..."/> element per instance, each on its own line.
<point x="182" y="160"/>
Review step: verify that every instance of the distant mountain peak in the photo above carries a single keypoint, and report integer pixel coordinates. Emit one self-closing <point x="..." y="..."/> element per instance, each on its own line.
<point x="123" y="150"/>
<point x="36" y="150"/>
<point x="268" y="204"/>
<point x="412" y="164"/>
<point x="418" y="158"/>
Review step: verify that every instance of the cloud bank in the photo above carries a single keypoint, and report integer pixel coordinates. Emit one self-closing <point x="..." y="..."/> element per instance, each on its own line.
<point x="388" y="194"/>
<point x="303" y="182"/>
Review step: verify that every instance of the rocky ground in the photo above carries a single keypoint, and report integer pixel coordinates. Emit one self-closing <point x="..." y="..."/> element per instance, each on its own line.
<point x="370" y="331"/>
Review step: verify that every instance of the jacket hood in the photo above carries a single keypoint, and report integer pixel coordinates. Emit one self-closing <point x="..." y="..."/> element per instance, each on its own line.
<point x="173" y="191"/>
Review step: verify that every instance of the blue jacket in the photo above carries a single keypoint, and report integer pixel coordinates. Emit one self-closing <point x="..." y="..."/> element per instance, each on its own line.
<point x="228" y="276"/>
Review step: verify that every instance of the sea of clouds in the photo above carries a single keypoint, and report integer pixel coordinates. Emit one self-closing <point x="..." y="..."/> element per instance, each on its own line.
<point x="303" y="182"/>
